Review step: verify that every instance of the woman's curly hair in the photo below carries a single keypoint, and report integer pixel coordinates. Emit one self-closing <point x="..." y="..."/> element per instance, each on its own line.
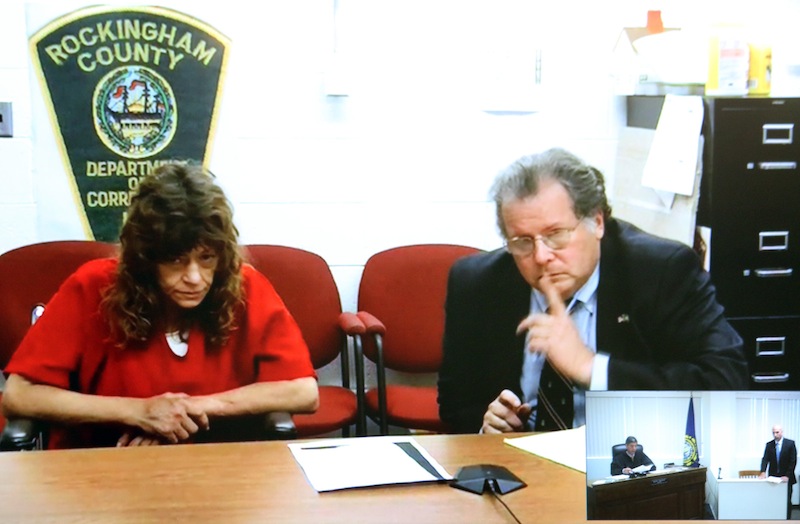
<point x="176" y="209"/>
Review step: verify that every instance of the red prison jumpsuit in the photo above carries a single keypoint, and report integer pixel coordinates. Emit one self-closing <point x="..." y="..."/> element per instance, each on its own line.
<point x="70" y="347"/>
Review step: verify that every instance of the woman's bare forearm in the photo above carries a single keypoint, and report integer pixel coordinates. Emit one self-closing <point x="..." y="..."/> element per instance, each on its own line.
<point x="295" y="396"/>
<point x="164" y="414"/>
<point x="22" y="398"/>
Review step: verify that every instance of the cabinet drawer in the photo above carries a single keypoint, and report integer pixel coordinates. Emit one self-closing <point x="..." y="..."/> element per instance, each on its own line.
<point x="745" y="293"/>
<point x="756" y="267"/>
<point x="754" y="195"/>
<point x="756" y="135"/>
<point x="772" y="349"/>
<point x="752" y="156"/>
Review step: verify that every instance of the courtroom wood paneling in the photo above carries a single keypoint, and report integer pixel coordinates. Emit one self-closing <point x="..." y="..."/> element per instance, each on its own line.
<point x="679" y="495"/>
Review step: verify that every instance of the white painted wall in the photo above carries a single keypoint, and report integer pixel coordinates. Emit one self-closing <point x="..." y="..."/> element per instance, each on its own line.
<point x="408" y="156"/>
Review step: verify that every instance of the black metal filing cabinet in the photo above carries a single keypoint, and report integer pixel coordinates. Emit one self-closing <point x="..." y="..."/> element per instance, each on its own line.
<point x="750" y="198"/>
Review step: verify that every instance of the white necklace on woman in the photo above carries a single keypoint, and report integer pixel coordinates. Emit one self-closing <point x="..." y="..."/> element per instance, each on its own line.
<point x="176" y="342"/>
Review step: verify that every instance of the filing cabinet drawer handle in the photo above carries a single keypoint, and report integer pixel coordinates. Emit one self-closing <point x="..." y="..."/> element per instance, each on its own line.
<point x="768" y="378"/>
<point x="777" y="133"/>
<point x="770" y="166"/>
<point x="770" y="346"/>
<point x="773" y="240"/>
<point x="774" y="272"/>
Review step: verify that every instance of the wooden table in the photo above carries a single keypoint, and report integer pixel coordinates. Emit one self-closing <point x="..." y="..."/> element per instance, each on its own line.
<point x="261" y="482"/>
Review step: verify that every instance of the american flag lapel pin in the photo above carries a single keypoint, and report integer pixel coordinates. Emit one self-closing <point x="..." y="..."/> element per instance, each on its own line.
<point x="623" y="318"/>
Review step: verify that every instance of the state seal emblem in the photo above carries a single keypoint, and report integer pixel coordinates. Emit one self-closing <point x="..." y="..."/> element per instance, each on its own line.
<point x="128" y="89"/>
<point x="135" y="112"/>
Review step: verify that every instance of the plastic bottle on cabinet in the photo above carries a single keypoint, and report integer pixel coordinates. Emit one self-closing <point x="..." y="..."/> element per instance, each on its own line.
<point x="728" y="62"/>
<point x="759" y="82"/>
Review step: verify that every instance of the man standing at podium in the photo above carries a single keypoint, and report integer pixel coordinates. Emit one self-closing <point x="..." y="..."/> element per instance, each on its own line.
<point x="633" y="457"/>
<point x="780" y="459"/>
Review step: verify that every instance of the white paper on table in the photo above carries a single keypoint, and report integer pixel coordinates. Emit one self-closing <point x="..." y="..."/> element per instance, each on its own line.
<point x="366" y="461"/>
<point x="567" y="447"/>
<point x="612" y="478"/>
<point x="672" y="163"/>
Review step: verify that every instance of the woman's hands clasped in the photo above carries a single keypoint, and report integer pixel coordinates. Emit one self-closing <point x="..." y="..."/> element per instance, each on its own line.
<point x="170" y="418"/>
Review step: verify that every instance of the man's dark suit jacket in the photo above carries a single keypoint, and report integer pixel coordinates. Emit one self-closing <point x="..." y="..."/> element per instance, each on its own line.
<point x="622" y="460"/>
<point x="784" y="468"/>
<point x="657" y="317"/>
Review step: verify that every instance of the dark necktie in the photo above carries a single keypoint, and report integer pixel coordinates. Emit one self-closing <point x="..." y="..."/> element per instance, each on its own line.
<point x="555" y="409"/>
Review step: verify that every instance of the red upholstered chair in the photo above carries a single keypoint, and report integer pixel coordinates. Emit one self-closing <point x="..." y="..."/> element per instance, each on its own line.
<point x="30" y="276"/>
<point x="401" y="301"/>
<point x="305" y="283"/>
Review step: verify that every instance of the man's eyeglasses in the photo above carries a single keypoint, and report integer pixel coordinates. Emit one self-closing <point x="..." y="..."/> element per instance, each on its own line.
<point x="555" y="240"/>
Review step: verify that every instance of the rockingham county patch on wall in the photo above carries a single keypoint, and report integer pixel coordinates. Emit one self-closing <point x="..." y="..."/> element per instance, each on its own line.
<point x="129" y="89"/>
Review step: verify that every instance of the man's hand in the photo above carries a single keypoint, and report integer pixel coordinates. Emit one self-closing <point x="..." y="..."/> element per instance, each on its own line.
<point x="762" y="475"/>
<point x="627" y="471"/>
<point x="171" y="416"/>
<point x="505" y="414"/>
<point x="554" y="335"/>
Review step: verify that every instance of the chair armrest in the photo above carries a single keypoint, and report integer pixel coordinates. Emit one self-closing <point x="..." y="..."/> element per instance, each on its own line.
<point x="280" y="426"/>
<point x="249" y="428"/>
<point x="371" y="323"/>
<point x="20" y="434"/>
<point x="351" y="324"/>
<point x="355" y="329"/>
<point x="377" y="331"/>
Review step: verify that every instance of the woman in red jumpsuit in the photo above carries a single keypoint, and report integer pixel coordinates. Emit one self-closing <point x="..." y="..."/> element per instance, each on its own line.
<point x="152" y="348"/>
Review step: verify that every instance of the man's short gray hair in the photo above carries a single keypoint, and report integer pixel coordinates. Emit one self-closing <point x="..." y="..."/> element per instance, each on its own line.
<point x="523" y="178"/>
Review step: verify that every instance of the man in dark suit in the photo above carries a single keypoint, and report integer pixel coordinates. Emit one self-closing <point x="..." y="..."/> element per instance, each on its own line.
<point x="780" y="459"/>
<point x="644" y="315"/>
<point x="633" y="457"/>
